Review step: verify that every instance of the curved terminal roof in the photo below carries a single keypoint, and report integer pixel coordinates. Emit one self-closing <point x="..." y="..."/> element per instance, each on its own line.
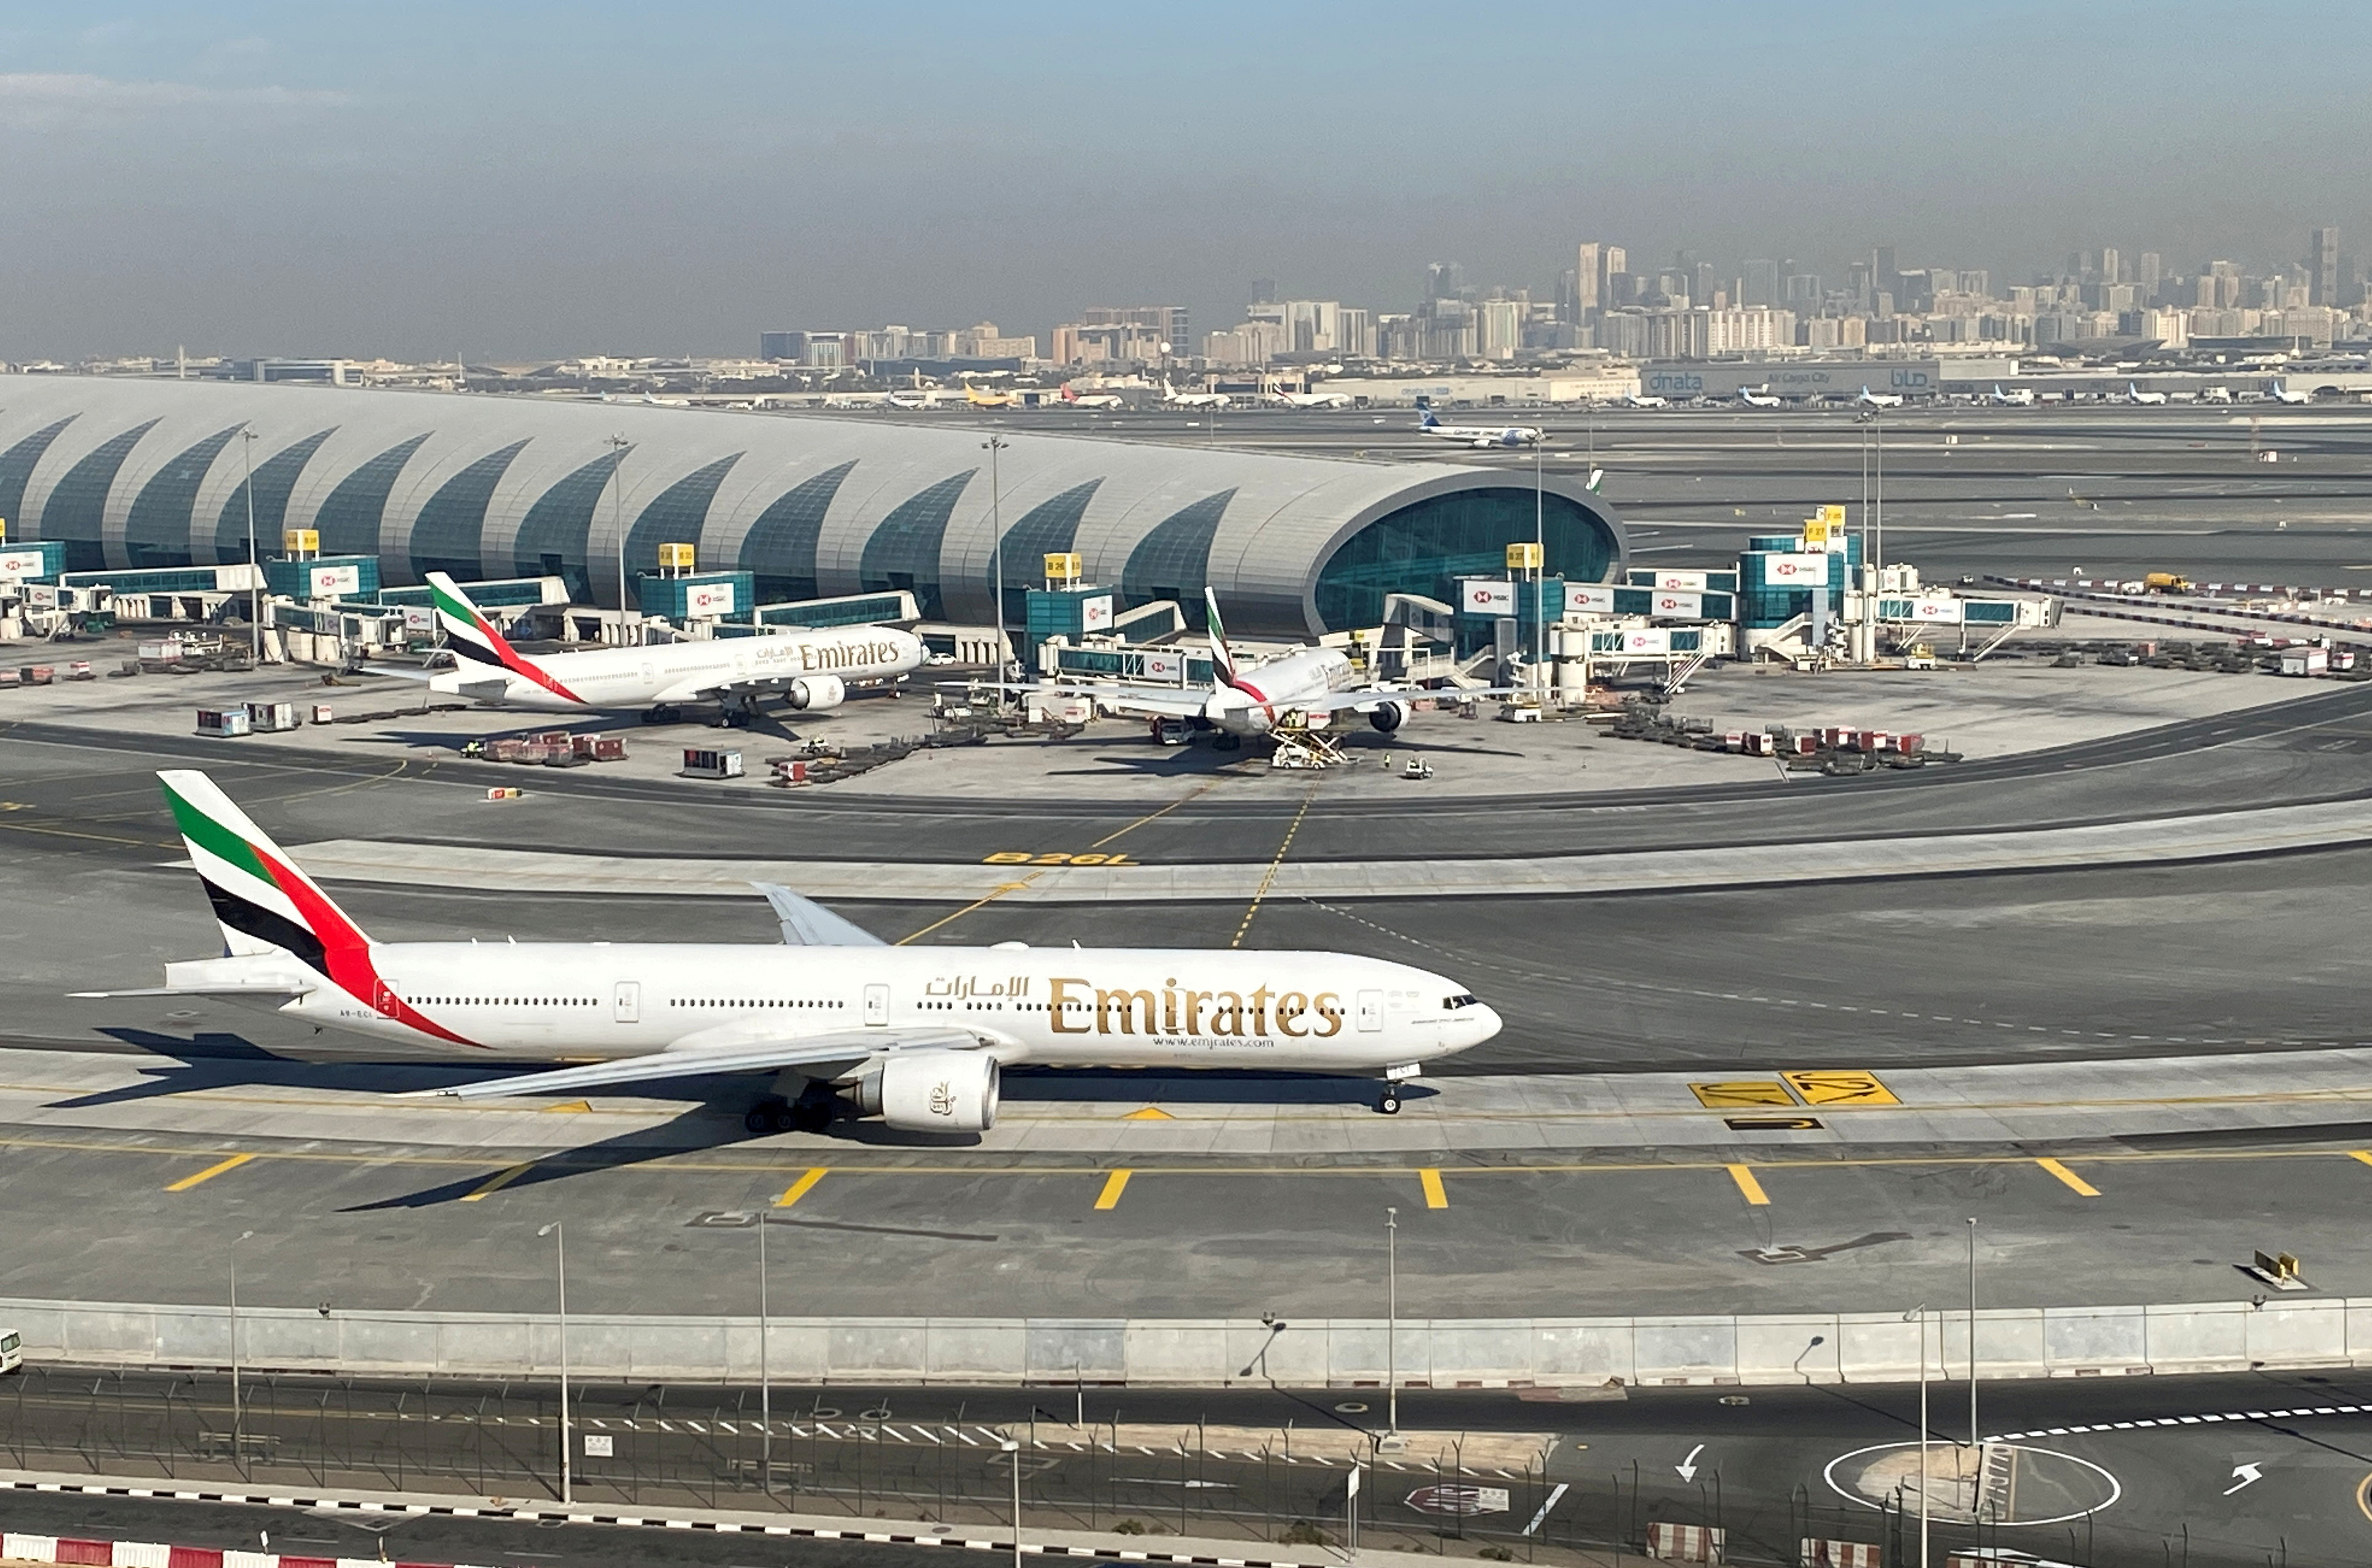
<point x="154" y="474"/>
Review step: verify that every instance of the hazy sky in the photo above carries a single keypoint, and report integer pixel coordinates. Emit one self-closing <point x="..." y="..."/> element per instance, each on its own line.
<point x="512" y="181"/>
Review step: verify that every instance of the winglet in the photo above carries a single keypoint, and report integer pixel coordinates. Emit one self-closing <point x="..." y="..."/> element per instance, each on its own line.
<point x="807" y="924"/>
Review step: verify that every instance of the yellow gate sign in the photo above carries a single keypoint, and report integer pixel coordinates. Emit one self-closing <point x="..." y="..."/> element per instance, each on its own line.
<point x="1729" y="1097"/>
<point x="1841" y="1087"/>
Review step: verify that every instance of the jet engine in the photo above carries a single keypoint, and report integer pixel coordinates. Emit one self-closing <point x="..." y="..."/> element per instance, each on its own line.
<point x="813" y="693"/>
<point x="934" y="1091"/>
<point x="1389" y="716"/>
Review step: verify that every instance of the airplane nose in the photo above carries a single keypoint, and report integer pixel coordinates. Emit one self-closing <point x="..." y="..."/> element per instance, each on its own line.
<point x="1487" y="1022"/>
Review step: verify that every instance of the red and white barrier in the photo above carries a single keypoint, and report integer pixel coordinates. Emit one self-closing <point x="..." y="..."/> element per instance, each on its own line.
<point x="1822" y="1553"/>
<point x="154" y="1554"/>
<point x="1684" y="1543"/>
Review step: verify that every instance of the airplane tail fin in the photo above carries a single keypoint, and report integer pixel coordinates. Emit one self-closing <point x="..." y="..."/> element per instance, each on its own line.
<point x="260" y="899"/>
<point x="1068" y="395"/>
<point x="1424" y="415"/>
<point x="469" y="634"/>
<point x="1222" y="660"/>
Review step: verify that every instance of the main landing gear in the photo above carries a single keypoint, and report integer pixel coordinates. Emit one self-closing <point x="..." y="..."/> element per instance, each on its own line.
<point x="810" y="1113"/>
<point x="1388" y="1102"/>
<point x="666" y="713"/>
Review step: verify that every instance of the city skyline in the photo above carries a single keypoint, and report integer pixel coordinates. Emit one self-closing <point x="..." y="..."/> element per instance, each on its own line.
<point x="432" y="182"/>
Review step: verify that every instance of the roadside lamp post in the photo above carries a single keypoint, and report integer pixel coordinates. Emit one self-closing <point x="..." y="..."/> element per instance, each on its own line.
<point x="765" y="1371"/>
<point x="557" y="1230"/>
<point x="1539" y="561"/>
<point x="1012" y="1451"/>
<point x="238" y="1415"/>
<point x="1392" y="1321"/>
<point x="1974" y="1442"/>
<point x="1921" y="1313"/>
<point x="254" y="595"/>
<point x="618" y="446"/>
<point x="993" y="446"/>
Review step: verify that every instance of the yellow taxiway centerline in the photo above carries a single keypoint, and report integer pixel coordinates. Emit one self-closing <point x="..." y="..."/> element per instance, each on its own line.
<point x="1430" y="1179"/>
<point x="1748" y="1187"/>
<point x="1114" y="1185"/>
<point x="802" y="1187"/>
<point x="209" y="1173"/>
<point x="2069" y="1176"/>
<point x="497" y="1181"/>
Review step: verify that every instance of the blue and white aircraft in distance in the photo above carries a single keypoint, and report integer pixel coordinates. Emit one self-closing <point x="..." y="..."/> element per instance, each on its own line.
<point x="1429" y="423"/>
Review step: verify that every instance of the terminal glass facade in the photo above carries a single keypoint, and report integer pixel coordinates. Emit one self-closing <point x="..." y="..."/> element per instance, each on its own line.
<point x="1426" y="547"/>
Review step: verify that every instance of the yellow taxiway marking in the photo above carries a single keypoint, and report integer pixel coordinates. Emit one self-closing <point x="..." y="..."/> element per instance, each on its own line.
<point x="1270" y="874"/>
<point x="2069" y="1176"/>
<point x="209" y="1173"/>
<point x="574" y="1107"/>
<point x="497" y="1181"/>
<point x="1728" y="1097"/>
<point x="1841" y="1088"/>
<point x="1114" y="1185"/>
<point x="1430" y="1179"/>
<point x="2364" y="1155"/>
<point x="1150" y="1114"/>
<point x="1748" y="1187"/>
<point x="802" y="1187"/>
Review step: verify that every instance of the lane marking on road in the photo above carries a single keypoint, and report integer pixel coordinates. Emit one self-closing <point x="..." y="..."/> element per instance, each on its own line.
<point x="1748" y="1187"/>
<point x="2139" y="1423"/>
<point x="1430" y="1179"/>
<point x="497" y="1181"/>
<point x="1737" y="1096"/>
<point x="209" y="1173"/>
<point x="1006" y="887"/>
<point x="802" y="1187"/>
<point x="2364" y="1155"/>
<point x="1841" y="1088"/>
<point x="2069" y="1176"/>
<point x="1114" y="1185"/>
<point x="1269" y="876"/>
<point x="1149" y="1113"/>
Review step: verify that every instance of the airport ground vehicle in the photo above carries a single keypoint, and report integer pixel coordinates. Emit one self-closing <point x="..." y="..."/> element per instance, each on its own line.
<point x="2166" y="583"/>
<point x="12" y="1349"/>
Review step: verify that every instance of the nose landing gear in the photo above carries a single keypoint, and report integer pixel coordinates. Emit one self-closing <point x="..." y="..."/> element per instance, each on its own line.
<point x="1388" y="1102"/>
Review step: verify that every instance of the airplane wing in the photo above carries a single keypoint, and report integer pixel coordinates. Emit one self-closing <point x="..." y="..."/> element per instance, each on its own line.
<point x="764" y="1056"/>
<point x="1368" y="701"/>
<point x="807" y="924"/>
<point x="1170" y="702"/>
<point x="281" y="989"/>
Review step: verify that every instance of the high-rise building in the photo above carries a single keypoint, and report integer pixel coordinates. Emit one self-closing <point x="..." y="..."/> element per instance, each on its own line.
<point x="2322" y="266"/>
<point x="1588" y="271"/>
<point x="1882" y="270"/>
<point x="1502" y="327"/>
<point x="1443" y="280"/>
<point x="1613" y="262"/>
<point x="1759" y="283"/>
<point x="2109" y="261"/>
<point x="2146" y="274"/>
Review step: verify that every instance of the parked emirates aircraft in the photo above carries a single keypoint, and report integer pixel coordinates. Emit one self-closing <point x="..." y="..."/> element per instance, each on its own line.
<point x="2021" y="397"/>
<point x="813" y="670"/>
<point x="1176" y="399"/>
<point x="1429" y="423"/>
<point x="1316" y="682"/>
<point x="2135" y="395"/>
<point x="842" y="1023"/>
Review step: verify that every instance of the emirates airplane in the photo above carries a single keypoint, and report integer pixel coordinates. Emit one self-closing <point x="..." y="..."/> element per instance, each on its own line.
<point x="840" y="1022"/>
<point x="812" y="670"/>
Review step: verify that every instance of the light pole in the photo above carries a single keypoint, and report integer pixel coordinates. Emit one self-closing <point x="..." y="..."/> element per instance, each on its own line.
<point x="254" y="595"/>
<point x="1392" y="1321"/>
<point x="1539" y="559"/>
<point x="557" y="1230"/>
<point x="1921" y="1311"/>
<point x="765" y="1372"/>
<point x="238" y="1415"/>
<point x="618" y="445"/>
<point x="1972" y="1338"/>
<point x="1012" y="1450"/>
<point x="993" y="446"/>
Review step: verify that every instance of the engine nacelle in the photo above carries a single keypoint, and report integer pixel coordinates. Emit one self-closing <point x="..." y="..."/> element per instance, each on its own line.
<point x="1389" y="716"/>
<point x="813" y="693"/>
<point x="934" y="1091"/>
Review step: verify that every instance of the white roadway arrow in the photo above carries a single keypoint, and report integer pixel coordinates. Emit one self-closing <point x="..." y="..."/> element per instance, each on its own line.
<point x="1688" y="1467"/>
<point x="2244" y="1475"/>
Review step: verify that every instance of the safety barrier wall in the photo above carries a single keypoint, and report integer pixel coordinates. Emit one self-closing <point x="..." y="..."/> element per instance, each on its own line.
<point x="1440" y="1352"/>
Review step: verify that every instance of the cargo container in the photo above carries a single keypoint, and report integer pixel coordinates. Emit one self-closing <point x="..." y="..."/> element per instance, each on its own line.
<point x="265" y="718"/>
<point x="710" y="762"/>
<point x="790" y="771"/>
<point x="223" y="723"/>
<point x="2305" y="661"/>
<point x="324" y="714"/>
<point x="37" y="674"/>
<point x="80" y="670"/>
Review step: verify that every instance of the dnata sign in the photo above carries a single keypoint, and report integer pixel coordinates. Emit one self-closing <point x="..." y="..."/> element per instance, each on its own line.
<point x="1489" y="599"/>
<point x="1096" y="614"/>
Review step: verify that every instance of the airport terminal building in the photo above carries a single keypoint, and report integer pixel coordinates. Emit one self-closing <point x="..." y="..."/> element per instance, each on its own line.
<point x="141" y="474"/>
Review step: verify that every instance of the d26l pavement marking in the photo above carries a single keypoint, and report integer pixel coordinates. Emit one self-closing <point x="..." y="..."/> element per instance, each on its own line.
<point x="1841" y="1088"/>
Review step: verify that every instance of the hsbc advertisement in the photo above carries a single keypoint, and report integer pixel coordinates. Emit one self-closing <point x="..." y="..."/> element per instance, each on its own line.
<point x="708" y="600"/>
<point x="1680" y="607"/>
<point x="1489" y="599"/>
<point x="1681" y="581"/>
<point x="1656" y="641"/>
<point x="1943" y="611"/>
<point x="1795" y="571"/>
<point x="329" y="582"/>
<point x="17" y="564"/>
<point x="1096" y="614"/>
<point x="1581" y="600"/>
<point x="1165" y="666"/>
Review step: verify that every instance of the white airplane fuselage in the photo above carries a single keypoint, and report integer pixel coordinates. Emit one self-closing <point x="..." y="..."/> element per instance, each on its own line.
<point x="1051" y="1007"/>
<point x="681" y="672"/>
<point x="1250" y="706"/>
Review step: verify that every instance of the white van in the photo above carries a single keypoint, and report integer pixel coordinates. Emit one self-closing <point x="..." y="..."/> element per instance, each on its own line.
<point x="12" y="1349"/>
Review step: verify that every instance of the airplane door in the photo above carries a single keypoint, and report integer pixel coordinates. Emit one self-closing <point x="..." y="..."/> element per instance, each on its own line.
<point x="629" y="1002"/>
<point x="876" y="1006"/>
<point x="1371" y="1010"/>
